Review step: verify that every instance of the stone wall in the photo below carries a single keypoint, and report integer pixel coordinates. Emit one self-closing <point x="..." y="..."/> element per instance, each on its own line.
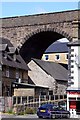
<point x="19" y="29"/>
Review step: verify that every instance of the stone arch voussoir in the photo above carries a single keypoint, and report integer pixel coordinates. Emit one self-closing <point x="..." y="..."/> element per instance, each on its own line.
<point x="57" y="30"/>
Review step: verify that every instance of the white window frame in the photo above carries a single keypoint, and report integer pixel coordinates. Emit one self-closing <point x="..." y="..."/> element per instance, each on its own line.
<point x="17" y="74"/>
<point x="7" y="72"/>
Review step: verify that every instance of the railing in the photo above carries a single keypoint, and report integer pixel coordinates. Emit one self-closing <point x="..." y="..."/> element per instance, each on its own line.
<point x="31" y="101"/>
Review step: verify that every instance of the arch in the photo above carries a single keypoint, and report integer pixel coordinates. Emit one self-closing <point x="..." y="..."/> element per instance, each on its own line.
<point x="59" y="31"/>
<point x="35" y="43"/>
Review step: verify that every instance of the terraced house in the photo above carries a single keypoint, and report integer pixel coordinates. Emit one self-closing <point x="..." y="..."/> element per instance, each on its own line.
<point x="57" y="52"/>
<point x="14" y="69"/>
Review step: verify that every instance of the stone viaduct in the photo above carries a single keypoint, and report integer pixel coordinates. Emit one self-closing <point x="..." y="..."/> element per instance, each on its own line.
<point x="32" y="34"/>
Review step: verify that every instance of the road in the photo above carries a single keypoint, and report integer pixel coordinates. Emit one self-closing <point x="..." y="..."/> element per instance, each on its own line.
<point x="27" y="117"/>
<point x="35" y="119"/>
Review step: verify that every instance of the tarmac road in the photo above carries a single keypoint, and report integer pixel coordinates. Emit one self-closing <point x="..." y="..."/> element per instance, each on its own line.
<point x="36" y="119"/>
<point x="27" y="117"/>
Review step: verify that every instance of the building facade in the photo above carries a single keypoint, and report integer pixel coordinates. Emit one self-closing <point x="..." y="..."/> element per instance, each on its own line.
<point x="57" y="52"/>
<point x="48" y="74"/>
<point x="73" y="90"/>
<point x="13" y="69"/>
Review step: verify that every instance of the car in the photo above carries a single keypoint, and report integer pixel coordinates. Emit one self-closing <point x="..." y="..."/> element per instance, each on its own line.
<point x="60" y="112"/>
<point x="44" y="111"/>
<point x="52" y="111"/>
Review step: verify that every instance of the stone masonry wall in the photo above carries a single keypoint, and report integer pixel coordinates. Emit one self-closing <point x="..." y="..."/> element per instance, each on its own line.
<point x="19" y="29"/>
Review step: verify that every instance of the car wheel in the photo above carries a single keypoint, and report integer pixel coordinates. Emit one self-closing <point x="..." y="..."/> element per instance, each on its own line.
<point x="52" y="116"/>
<point x="68" y="115"/>
<point x="40" y="116"/>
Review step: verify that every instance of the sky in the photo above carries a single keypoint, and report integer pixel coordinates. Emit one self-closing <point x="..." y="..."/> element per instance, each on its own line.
<point x="11" y="9"/>
<point x="17" y="8"/>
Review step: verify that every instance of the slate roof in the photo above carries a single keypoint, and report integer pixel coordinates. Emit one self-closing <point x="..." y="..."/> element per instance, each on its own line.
<point x="4" y="47"/>
<point x="57" y="47"/>
<point x="31" y="85"/>
<point x="13" y="50"/>
<point x="9" y="61"/>
<point x="5" y="41"/>
<point x="57" y="71"/>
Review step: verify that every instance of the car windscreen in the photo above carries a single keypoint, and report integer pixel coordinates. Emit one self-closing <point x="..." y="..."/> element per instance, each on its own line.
<point x="47" y="106"/>
<point x="58" y="109"/>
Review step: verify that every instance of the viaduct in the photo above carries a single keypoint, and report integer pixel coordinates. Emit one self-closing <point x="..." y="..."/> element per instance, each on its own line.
<point x="32" y="34"/>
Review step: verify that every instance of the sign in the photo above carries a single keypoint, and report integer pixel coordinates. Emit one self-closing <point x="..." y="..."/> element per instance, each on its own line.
<point x="74" y="93"/>
<point x="72" y="104"/>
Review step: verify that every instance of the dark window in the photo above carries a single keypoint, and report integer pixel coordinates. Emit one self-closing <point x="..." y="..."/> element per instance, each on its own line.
<point x="51" y="92"/>
<point x="71" y="77"/>
<point x="66" y="56"/>
<point x="72" y="66"/>
<point x="72" y="50"/>
<point x="72" y="61"/>
<point x="14" y="100"/>
<point x="57" y="57"/>
<point x="19" y="99"/>
<point x="72" y="55"/>
<point x="72" y="71"/>
<point x="46" y="57"/>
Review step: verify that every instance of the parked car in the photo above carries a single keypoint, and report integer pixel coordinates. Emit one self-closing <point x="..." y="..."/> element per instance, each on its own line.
<point x="44" y="111"/>
<point x="52" y="111"/>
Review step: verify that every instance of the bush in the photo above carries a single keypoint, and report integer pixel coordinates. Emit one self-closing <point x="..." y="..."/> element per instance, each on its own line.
<point x="10" y="111"/>
<point x="21" y="113"/>
<point x="30" y="110"/>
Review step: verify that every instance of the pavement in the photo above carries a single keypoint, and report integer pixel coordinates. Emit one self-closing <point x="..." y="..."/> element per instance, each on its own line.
<point x="6" y="115"/>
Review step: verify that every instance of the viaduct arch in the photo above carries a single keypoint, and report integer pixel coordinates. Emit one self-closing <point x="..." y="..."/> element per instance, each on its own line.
<point x="34" y="33"/>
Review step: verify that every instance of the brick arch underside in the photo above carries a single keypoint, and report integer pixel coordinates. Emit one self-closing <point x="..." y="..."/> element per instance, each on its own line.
<point x="38" y="41"/>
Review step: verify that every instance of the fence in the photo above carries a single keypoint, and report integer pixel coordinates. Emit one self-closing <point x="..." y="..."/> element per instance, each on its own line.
<point x="29" y="101"/>
<point x="6" y="103"/>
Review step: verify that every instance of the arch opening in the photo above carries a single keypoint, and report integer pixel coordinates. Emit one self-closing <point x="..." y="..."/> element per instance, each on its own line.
<point x="35" y="46"/>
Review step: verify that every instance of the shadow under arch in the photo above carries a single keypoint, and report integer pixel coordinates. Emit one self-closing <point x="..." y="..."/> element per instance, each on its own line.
<point x="38" y="41"/>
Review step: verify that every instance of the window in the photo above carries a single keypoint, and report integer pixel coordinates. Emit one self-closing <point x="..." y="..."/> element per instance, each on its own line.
<point x="7" y="72"/>
<point x="72" y="71"/>
<point x="66" y="56"/>
<point x="57" y="57"/>
<point x="72" y="55"/>
<point x="72" y="66"/>
<point x="72" y="50"/>
<point x="17" y="74"/>
<point x="46" y="57"/>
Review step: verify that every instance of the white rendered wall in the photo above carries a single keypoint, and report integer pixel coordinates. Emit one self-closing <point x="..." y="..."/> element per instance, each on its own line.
<point x="75" y="68"/>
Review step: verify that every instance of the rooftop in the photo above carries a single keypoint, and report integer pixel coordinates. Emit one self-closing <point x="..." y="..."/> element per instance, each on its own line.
<point x="57" y="71"/>
<point x="57" y="47"/>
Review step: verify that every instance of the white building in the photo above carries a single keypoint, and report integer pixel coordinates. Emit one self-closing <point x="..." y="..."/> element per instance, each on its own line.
<point x="73" y="90"/>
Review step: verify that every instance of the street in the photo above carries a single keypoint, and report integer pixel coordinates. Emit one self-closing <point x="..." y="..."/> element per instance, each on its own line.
<point x="34" y="119"/>
<point x="27" y="117"/>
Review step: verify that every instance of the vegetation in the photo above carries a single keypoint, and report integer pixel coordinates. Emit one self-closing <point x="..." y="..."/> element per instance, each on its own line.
<point x="19" y="110"/>
<point x="30" y="110"/>
<point x="10" y="111"/>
